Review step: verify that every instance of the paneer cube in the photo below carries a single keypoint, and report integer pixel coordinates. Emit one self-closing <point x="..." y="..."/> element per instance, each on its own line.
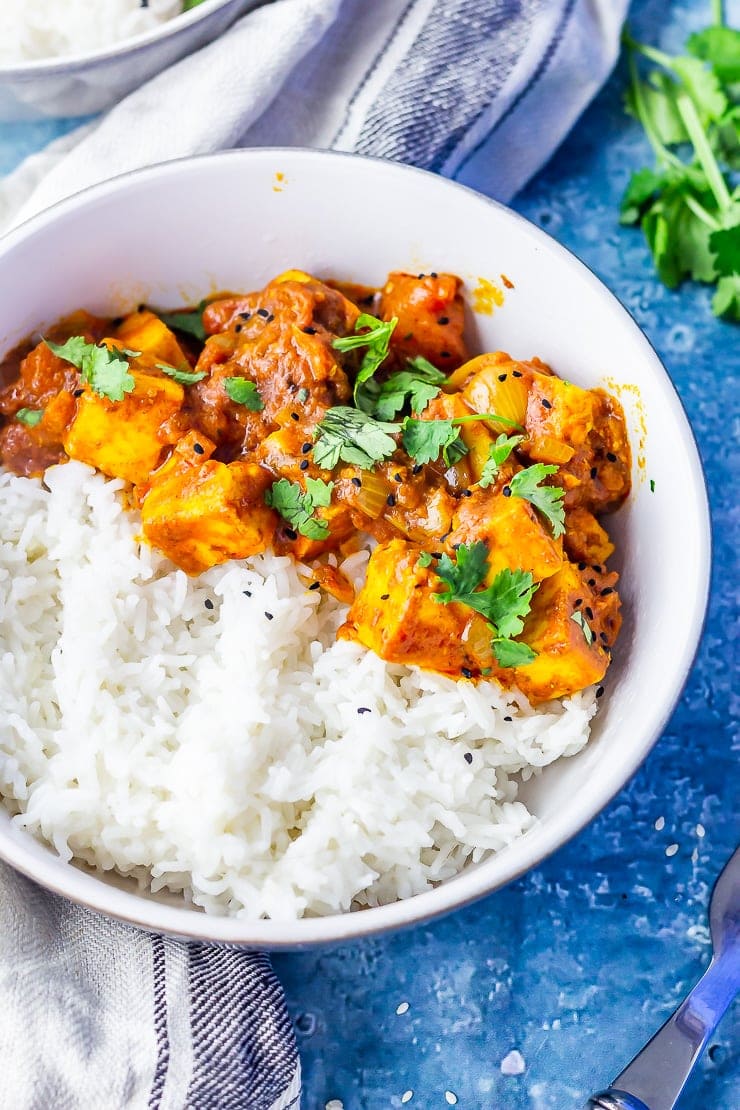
<point x="146" y="333"/>
<point x="395" y="615"/>
<point x="203" y="514"/>
<point x="570" y="652"/>
<point x="125" y="438"/>
<point x="558" y="415"/>
<point x="585" y="540"/>
<point x="516" y="535"/>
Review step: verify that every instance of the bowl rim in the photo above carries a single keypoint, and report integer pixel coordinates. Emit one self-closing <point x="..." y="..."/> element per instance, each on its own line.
<point x="274" y="934"/>
<point x="170" y="28"/>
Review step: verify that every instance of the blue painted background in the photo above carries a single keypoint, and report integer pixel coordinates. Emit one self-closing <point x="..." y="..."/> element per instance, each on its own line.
<point x="576" y="964"/>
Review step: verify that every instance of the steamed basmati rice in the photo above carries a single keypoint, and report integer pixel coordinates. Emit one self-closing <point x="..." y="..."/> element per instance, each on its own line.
<point x="33" y="29"/>
<point x="211" y="736"/>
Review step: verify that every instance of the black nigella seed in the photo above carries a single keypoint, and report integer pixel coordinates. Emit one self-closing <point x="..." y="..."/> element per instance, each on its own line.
<point x="245" y="315"/>
<point x="581" y="566"/>
<point x="466" y="673"/>
<point x="417" y="469"/>
<point x="310" y="331"/>
<point x="597" y="568"/>
<point x="263" y="313"/>
<point x="603" y="637"/>
<point x="368" y="299"/>
<point x="467" y="493"/>
<point x="79" y="392"/>
<point x="247" y="593"/>
<point x="607" y="590"/>
<point x="305" y="464"/>
<point x="443" y="539"/>
<point x="444" y="354"/>
<point x="208" y="603"/>
<point x="468" y="757"/>
<point x="306" y="448"/>
<point x="516" y="373"/>
<point x="357" y="482"/>
<point x="141" y="308"/>
<point x="589" y="612"/>
<point x="270" y="318"/>
<point x="594" y="472"/>
<point x="397" y="478"/>
<point x="546" y="404"/>
<point x="199" y="449"/>
<point x="390" y="500"/>
<point x="506" y="491"/>
<point x="578" y="601"/>
<point x="443" y="320"/>
<point x="592" y="582"/>
<point x="384" y="597"/>
<point x="508" y="719"/>
<point x="502" y="377"/>
<point x="611" y="456"/>
<point x="600" y="692"/>
<point x="315" y="586"/>
<point x="294" y="416"/>
<point x="238" y="327"/>
<point x="436" y="554"/>
<point x="433" y="274"/>
<point x="455" y="546"/>
<point x="364" y="709"/>
<point x="291" y="534"/>
<point x="268" y="615"/>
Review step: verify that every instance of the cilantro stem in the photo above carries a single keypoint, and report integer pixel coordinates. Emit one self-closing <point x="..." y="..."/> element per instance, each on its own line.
<point x="488" y="416"/>
<point x="700" y="212"/>
<point x="703" y="151"/>
<point x="661" y="152"/>
<point x="718" y="13"/>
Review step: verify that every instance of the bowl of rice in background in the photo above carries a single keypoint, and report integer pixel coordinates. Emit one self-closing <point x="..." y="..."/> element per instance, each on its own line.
<point x="73" y="58"/>
<point x="169" y="758"/>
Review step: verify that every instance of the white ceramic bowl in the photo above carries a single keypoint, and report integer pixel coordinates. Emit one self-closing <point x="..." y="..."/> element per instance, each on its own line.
<point x="80" y="84"/>
<point x="177" y="231"/>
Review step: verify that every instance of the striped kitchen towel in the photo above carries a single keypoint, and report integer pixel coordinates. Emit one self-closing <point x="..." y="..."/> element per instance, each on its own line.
<point x="94" y="1013"/>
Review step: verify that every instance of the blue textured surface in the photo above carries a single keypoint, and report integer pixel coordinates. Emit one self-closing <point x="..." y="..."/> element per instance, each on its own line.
<point x="576" y="964"/>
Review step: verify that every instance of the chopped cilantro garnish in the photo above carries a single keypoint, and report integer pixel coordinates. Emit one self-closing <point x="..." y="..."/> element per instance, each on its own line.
<point x="376" y="338"/>
<point x="297" y="506"/>
<point x="243" y="392"/>
<point x="548" y="499"/>
<point x="417" y="385"/>
<point x="354" y="437"/>
<point x="504" y="604"/>
<point x="584" y="626"/>
<point x="189" y="322"/>
<point x="29" y="417"/>
<point x="425" y="440"/>
<point x="184" y="377"/>
<point x="104" y="369"/>
<point x="498" y="453"/>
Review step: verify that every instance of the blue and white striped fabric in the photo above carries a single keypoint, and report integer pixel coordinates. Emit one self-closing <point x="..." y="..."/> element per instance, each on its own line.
<point x="92" y="1013"/>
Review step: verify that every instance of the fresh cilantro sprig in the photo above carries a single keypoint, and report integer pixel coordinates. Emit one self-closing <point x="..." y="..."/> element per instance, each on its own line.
<point x="103" y="368"/>
<point x="498" y="453"/>
<point x="243" y="392"/>
<point x="527" y="484"/>
<point x="189" y="322"/>
<point x="376" y="339"/>
<point x="416" y="386"/>
<point x="504" y="604"/>
<point x="352" y="436"/>
<point x="182" y="377"/>
<point x="29" y="417"/>
<point x="687" y="206"/>
<point x="298" y="506"/>
<point x="425" y="440"/>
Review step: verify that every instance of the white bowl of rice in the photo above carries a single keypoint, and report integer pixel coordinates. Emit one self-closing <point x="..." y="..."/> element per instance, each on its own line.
<point x="197" y="770"/>
<point x="74" y="57"/>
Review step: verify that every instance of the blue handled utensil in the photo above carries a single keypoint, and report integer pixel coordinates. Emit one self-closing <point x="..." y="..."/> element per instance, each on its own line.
<point x="657" y="1075"/>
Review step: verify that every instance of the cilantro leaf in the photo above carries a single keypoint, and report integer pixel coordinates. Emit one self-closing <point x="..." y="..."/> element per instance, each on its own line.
<point x="504" y="604"/>
<point x="425" y="440"/>
<point x="547" y="499"/>
<point x="354" y="437"/>
<point x="720" y="46"/>
<point x="417" y="385"/>
<point x="498" y="453"/>
<point x="297" y="506"/>
<point x="376" y="338"/>
<point x="104" y="369"/>
<point x="29" y="417"/>
<point x="189" y="322"/>
<point x="726" y="300"/>
<point x="584" y="626"/>
<point x="243" y="392"/>
<point x="642" y="187"/>
<point x="726" y="246"/>
<point x="183" y="377"/>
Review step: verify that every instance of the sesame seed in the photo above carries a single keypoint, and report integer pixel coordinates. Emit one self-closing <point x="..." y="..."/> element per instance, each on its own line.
<point x="364" y="709"/>
<point x="600" y="692"/>
<point x="199" y="448"/>
<point x="468" y="757"/>
<point x="546" y="404"/>
<point x="268" y="615"/>
<point x="208" y="603"/>
<point x="306" y="448"/>
<point x="357" y="482"/>
<point x="384" y="597"/>
<point x="506" y="491"/>
<point x="443" y="320"/>
<point x="390" y="500"/>
<point x="315" y="586"/>
<point x="516" y="373"/>
<point x="611" y="456"/>
<point x="502" y="377"/>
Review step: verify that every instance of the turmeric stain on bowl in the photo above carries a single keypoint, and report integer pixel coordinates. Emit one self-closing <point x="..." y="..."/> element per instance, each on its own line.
<point x="279" y="182"/>
<point x="629" y="396"/>
<point x="487" y="296"/>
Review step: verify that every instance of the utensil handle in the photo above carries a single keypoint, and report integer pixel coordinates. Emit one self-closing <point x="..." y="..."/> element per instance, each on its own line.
<point x="657" y="1075"/>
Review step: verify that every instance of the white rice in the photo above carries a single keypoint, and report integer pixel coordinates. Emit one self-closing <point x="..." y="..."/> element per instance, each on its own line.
<point x="33" y="29"/>
<point x="220" y="753"/>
